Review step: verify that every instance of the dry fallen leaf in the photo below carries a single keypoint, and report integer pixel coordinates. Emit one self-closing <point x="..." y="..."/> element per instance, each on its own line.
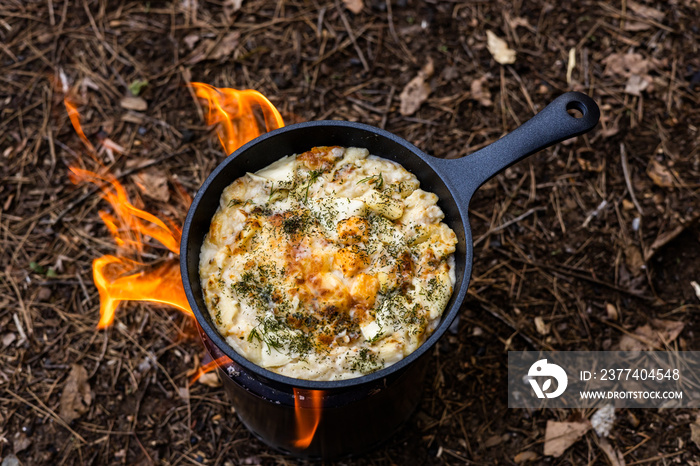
<point x="417" y="90"/>
<point x="650" y="337"/>
<point x="210" y="49"/>
<point x="480" y="92"/>
<point x="645" y="11"/>
<point x="210" y="379"/>
<point x="611" y="310"/>
<point x="134" y="103"/>
<point x="634" y="259"/>
<point x="226" y="47"/>
<point x="695" y="431"/>
<point x="561" y="435"/>
<point x="589" y="165"/>
<point x="626" y="64"/>
<point x="8" y="338"/>
<point x="661" y="175"/>
<point x="77" y="395"/>
<point x="354" y="5"/>
<point x="636" y="84"/>
<point x="493" y="441"/>
<point x="191" y="40"/>
<point x="525" y="456"/>
<point x="21" y="443"/>
<point x="153" y="183"/>
<point x="499" y="49"/>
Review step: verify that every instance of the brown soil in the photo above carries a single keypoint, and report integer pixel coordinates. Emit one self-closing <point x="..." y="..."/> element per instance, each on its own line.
<point x="564" y="259"/>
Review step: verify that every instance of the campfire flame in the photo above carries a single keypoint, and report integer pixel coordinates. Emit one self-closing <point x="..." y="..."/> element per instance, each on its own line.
<point x="307" y="410"/>
<point x="121" y="278"/>
<point x="240" y="116"/>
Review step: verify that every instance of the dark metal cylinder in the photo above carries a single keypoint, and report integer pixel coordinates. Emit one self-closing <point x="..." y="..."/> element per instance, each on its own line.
<point x="350" y="420"/>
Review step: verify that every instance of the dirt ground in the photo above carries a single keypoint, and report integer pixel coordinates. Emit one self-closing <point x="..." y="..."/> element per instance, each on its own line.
<point x="576" y="247"/>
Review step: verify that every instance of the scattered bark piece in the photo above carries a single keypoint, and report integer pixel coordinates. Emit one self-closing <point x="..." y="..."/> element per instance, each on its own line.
<point x="354" y="5"/>
<point x="611" y="311"/>
<point x="134" y="103"/>
<point x="542" y="328"/>
<point x="210" y="379"/>
<point x="499" y="49"/>
<point x="480" y="91"/>
<point x="561" y="435"/>
<point x="612" y="453"/>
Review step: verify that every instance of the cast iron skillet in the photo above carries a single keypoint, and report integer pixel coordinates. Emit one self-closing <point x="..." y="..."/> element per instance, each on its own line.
<point x="454" y="181"/>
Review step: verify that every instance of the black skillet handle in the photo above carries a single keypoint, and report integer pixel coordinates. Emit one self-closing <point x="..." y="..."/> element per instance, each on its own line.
<point x="552" y="125"/>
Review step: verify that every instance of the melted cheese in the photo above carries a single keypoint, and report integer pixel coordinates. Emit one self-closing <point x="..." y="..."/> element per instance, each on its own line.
<point x="327" y="265"/>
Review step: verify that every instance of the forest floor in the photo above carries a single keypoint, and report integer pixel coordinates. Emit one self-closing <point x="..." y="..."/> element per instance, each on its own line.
<point x="575" y="248"/>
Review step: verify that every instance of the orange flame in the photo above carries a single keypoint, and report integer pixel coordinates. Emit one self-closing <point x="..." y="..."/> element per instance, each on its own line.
<point x="75" y="121"/>
<point x="307" y="411"/>
<point x="119" y="278"/>
<point x="128" y="224"/>
<point x="210" y="366"/>
<point x="241" y="115"/>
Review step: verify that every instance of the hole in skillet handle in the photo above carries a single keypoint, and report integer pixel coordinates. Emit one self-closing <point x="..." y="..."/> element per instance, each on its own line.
<point x="576" y="109"/>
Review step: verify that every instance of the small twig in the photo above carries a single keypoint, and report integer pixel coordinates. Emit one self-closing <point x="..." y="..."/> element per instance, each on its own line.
<point x="46" y="411"/>
<point x="18" y="324"/>
<point x="360" y="55"/>
<point x="387" y="109"/>
<point x="392" y="31"/>
<point x="505" y="225"/>
<point x="572" y="272"/>
<point x="491" y="309"/>
<point x="628" y="180"/>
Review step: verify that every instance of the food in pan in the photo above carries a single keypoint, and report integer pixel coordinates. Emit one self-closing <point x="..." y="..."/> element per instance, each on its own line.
<point x="327" y="265"/>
